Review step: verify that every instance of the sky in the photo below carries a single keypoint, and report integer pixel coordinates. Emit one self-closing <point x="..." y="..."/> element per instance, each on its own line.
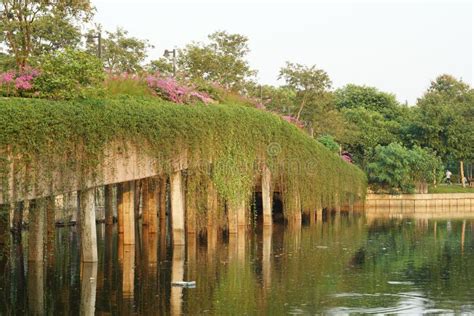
<point x="396" y="46"/>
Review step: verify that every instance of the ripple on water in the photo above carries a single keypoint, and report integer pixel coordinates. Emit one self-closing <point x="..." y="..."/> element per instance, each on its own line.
<point x="407" y="303"/>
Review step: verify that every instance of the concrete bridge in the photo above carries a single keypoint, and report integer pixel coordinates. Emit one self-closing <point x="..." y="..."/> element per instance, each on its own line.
<point x="143" y="181"/>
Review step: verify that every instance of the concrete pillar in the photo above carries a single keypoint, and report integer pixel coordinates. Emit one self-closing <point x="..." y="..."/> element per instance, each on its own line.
<point x="267" y="196"/>
<point x="150" y="203"/>
<point x="120" y="215"/>
<point x="312" y="217"/>
<point x="232" y="218"/>
<point x="162" y="198"/>
<point x="88" y="288"/>
<point x="109" y="205"/>
<point x="36" y="229"/>
<point x="17" y="223"/>
<point x="177" y="208"/>
<point x="242" y="214"/>
<point x="191" y="211"/>
<point x="88" y="226"/>
<point x="127" y="210"/>
<point x="319" y="214"/>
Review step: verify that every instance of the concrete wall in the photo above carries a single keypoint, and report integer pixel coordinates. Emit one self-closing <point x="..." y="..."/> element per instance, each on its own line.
<point x="441" y="205"/>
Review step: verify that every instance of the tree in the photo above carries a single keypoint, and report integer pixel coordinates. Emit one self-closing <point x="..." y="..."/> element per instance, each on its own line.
<point x="371" y="129"/>
<point x="120" y="52"/>
<point x="161" y="65"/>
<point x="310" y="84"/>
<point x="353" y="96"/>
<point x="444" y="120"/>
<point x="31" y="26"/>
<point x="221" y="61"/>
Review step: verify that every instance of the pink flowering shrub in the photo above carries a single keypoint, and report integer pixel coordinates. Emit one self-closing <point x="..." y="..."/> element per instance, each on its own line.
<point x="172" y="90"/>
<point x="16" y="83"/>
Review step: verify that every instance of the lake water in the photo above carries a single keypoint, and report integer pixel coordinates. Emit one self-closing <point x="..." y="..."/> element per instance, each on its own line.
<point x="341" y="265"/>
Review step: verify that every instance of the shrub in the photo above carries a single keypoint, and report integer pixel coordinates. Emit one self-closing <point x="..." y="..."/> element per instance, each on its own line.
<point x="397" y="168"/>
<point x="329" y="142"/>
<point x="69" y="74"/>
<point x="18" y="83"/>
<point x="171" y="90"/>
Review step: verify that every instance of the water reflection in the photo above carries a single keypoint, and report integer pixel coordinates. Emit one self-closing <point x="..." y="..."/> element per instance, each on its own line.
<point x="341" y="264"/>
<point x="88" y="288"/>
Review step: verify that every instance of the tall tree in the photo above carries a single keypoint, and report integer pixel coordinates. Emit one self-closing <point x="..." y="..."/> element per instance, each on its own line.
<point x="222" y="60"/>
<point x="120" y="52"/>
<point x="30" y="26"/>
<point x="445" y="119"/>
<point x="310" y="84"/>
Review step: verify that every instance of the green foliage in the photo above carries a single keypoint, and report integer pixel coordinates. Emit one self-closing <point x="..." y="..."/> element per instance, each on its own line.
<point x="61" y="139"/>
<point x="310" y="85"/>
<point x="120" y="52"/>
<point x="124" y="84"/>
<point x="352" y="96"/>
<point x="371" y="129"/>
<point x="398" y="168"/>
<point x="329" y="142"/>
<point x="221" y="61"/>
<point x="30" y="28"/>
<point x="161" y="65"/>
<point x="69" y="74"/>
<point x="444" y="119"/>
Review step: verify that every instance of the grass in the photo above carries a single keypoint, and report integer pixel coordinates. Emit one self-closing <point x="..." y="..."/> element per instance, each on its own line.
<point x="454" y="188"/>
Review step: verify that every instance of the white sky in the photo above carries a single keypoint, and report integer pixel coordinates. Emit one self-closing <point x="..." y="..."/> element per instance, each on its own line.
<point x="396" y="46"/>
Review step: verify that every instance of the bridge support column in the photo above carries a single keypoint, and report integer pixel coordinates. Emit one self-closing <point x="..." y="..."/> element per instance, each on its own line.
<point x="150" y="202"/>
<point x="120" y="208"/>
<point x="267" y="196"/>
<point x="191" y="211"/>
<point x="88" y="226"/>
<point x="109" y="210"/>
<point x="242" y="215"/>
<point x="177" y="208"/>
<point x="232" y="218"/>
<point x="127" y="202"/>
<point x="36" y="229"/>
<point x="319" y="214"/>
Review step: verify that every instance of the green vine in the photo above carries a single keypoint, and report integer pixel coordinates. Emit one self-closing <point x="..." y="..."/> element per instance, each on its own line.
<point x="53" y="140"/>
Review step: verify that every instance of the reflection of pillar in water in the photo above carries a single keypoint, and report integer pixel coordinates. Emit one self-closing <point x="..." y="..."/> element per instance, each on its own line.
<point x="191" y="257"/>
<point x="463" y="234"/>
<point x="150" y="244"/>
<point x="36" y="287"/>
<point x="128" y="276"/>
<point x="232" y="247"/>
<point x="51" y="229"/>
<point x="177" y="275"/>
<point x="241" y="244"/>
<point x="266" y="255"/>
<point x="88" y="288"/>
